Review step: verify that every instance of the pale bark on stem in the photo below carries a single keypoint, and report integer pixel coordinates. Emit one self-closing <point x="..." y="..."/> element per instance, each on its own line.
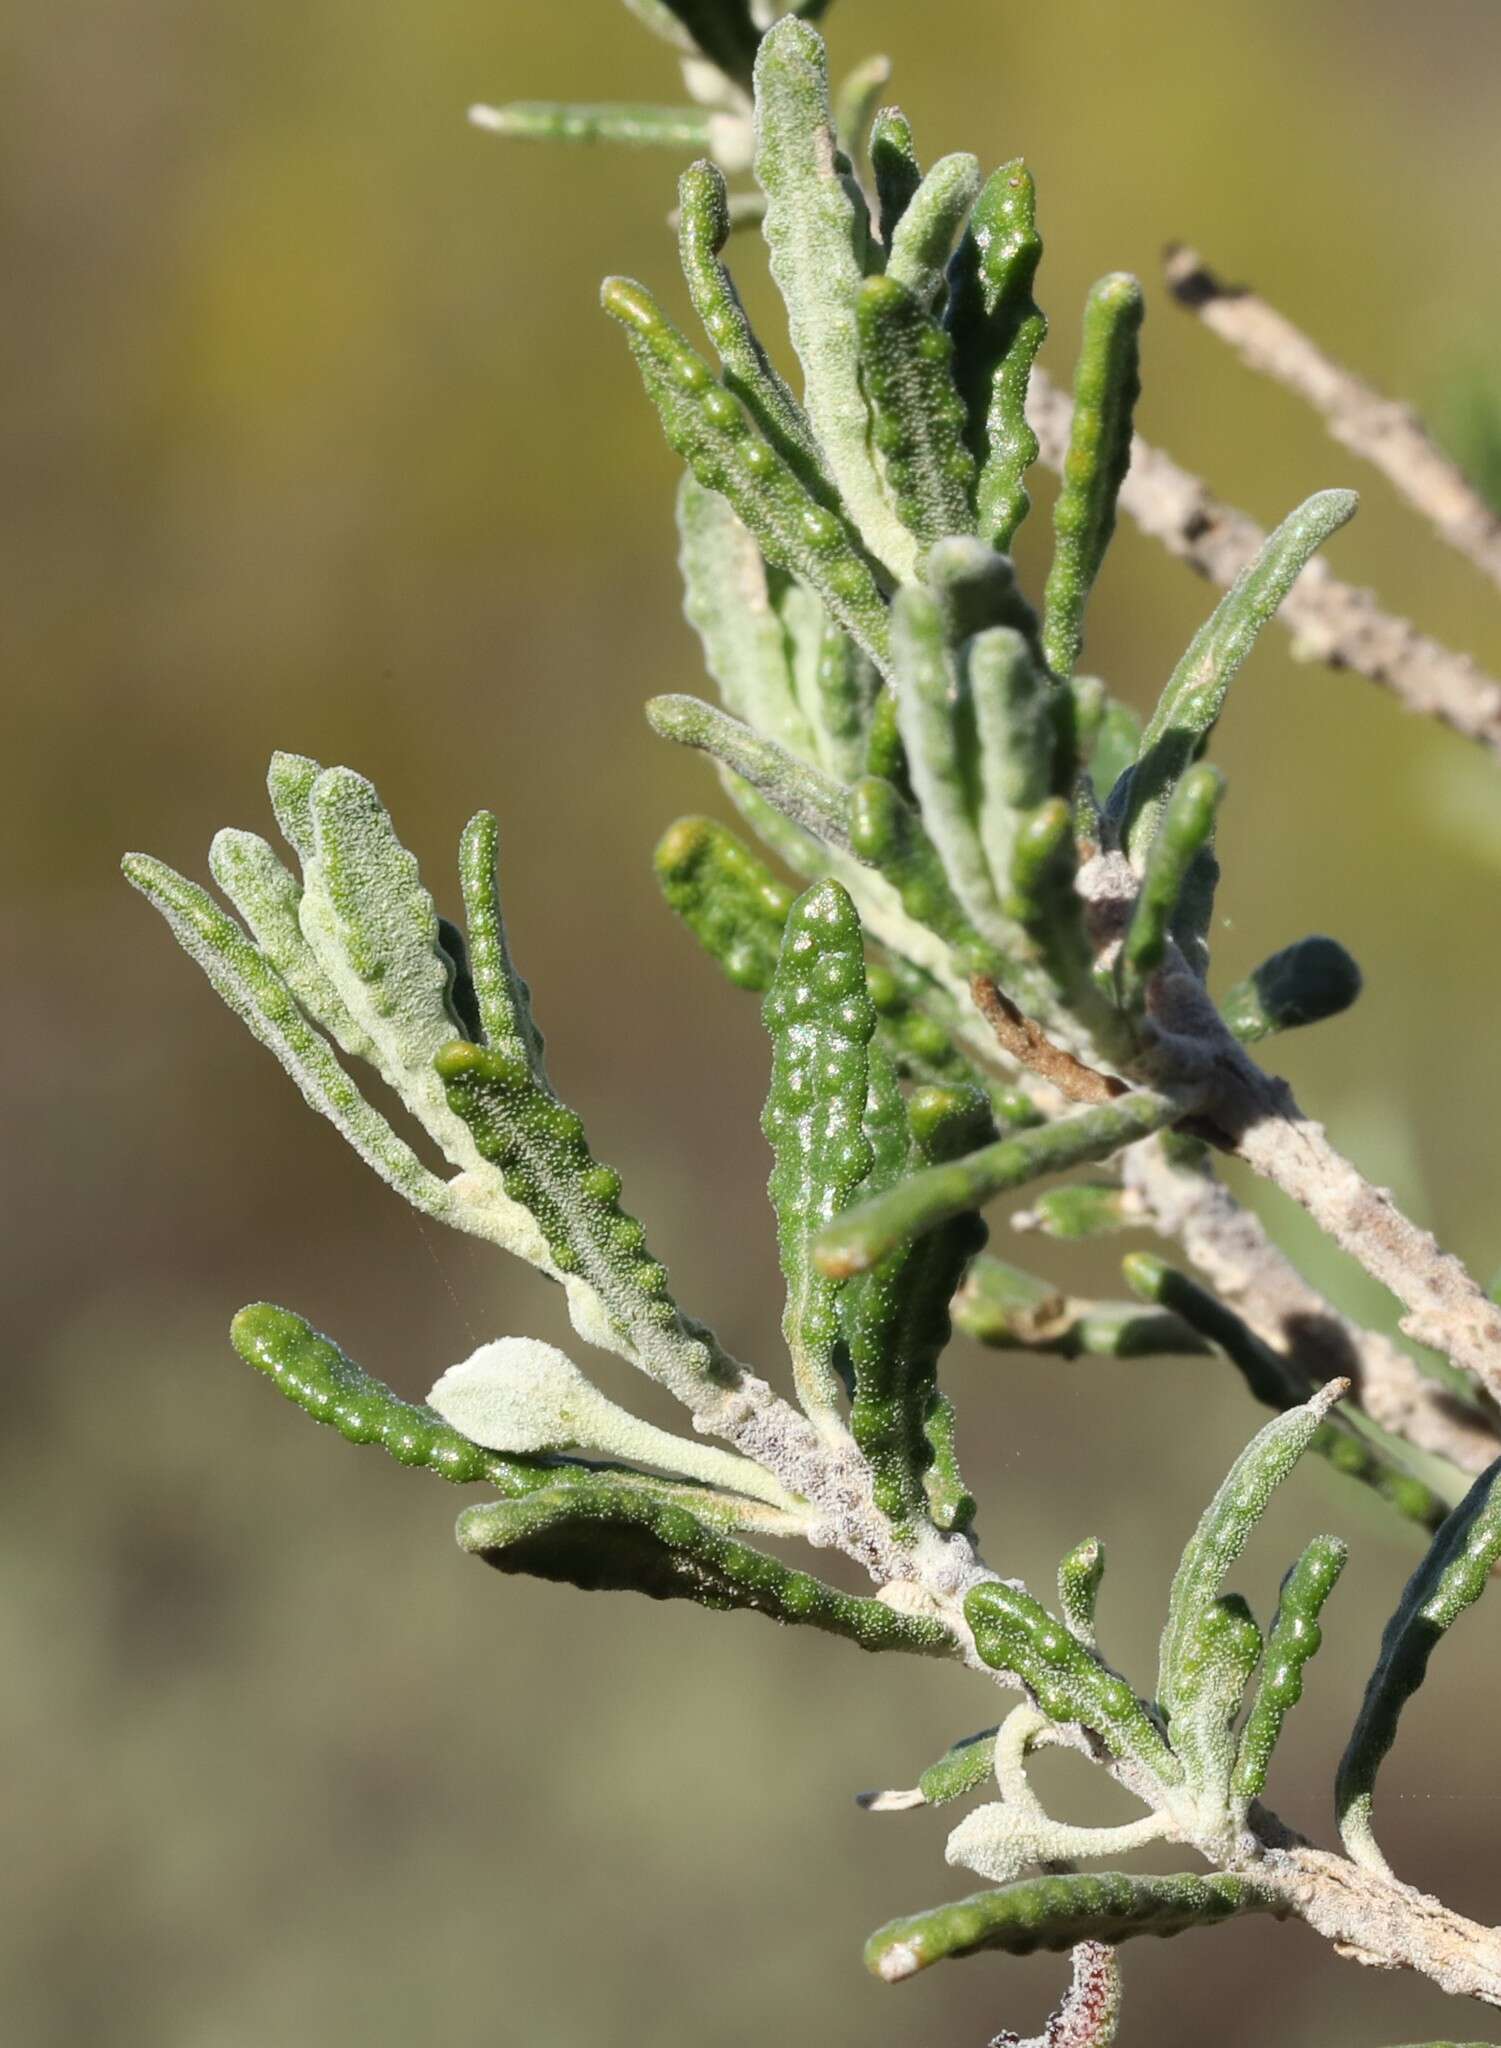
<point x="1388" y="435"/>
<point x="1330" y="621"/>
<point x="1230" y="1247"/>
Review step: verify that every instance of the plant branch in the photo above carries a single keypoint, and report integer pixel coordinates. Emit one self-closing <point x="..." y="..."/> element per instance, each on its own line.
<point x="1382" y="432"/>
<point x="1330" y="621"/>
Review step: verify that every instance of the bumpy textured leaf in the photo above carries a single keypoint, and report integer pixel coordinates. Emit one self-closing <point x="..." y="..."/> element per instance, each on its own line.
<point x="1222" y="1534"/>
<point x="596" y="1533"/>
<point x="1079" y="1577"/>
<point x="895" y="1318"/>
<point x="1187" y="711"/>
<point x="268" y="896"/>
<point x="821" y="1021"/>
<point x="1015" y="1633"/>
<point x="1057" y="1912"/>
<point x="728" y="898"/>
<point x="997" y="330"/>
<point x="1451" y="1578"/>
<point x="857" y="1241"/>
<point x="887" y="833"/>
<point x="313" y="1372"/>
<point x="817" y="234"/>
<point x="1107" y="384"/>
<point x="716" y="437"/>
<point x="703" y="230"/>
<point x="917" y="418"/>
<point x="1220" y="1655"/>
<point x="1294" y="1638"/>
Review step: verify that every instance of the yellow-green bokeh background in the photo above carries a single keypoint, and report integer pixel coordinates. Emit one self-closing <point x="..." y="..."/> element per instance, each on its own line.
<point x="312" y="437"/>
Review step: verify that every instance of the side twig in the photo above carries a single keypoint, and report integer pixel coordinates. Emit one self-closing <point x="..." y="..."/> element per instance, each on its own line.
<point x="1330" y="621"/>
<point x="1388" y="435"/>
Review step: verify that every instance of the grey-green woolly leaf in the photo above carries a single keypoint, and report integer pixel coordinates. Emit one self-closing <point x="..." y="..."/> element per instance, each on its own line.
<point x="633" y="123"/>
<point x="618" y="1294"/>
<point x="924" y="237"/>
<point x="1220" y="1655"/>
<point x="806" y="629"/>
<point x="846" y="685"/>
<point x="374" y="931"/>
<point x="1450" y="1579"/>
<point x="917" y="419"/>
<point x="245" y="979"/>
<point x="799" y="792"/>
<point x="999" y="1843"/>
<point x="1186" y="713"/>
<point x="727" y="601"/>
<point x="976" y="589"/>
<point x="1016" y="735"/>
<point x="524" y="1397"/>
<point x="997" y="330"/>
<point x="289" y="783"/>
<point x="268" y="897"/>
<point x="703" y="229"/>
<point x="821" y="1021"/>
<point x="708" y="426"/>
<point x="887" y="834"/>
<point x="728" y="898"/>
<point x="601" y="1535"/>
<point x="937" y="722"/>
<point x="1107" y="384"/>
<point x="1058" y="1912"/>
<point x="817" y="233"/>
<point x="867" y="1233"/>
<point x="893" y="162"/>
<point x="1222" y="1534"/>
<point x="724" y="31"/>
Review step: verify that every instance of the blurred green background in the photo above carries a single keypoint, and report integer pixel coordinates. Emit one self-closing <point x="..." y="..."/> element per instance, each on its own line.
<point x="312" y="437"/>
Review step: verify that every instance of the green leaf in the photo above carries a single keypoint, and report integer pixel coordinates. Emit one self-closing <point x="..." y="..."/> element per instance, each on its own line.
<point x="821" y="1021"/>
<point x="887" y="834"/>
<point x="1220" y="1654"/>
<point x="961" y="1770"/>
<point x="923" y="238"/>
<point x="714" y="434"/>
<point x="1221" y="1536"/>
<point x="315" y="1374"/>
<point x="1079" y="1577"/>
<point x="501" y="996"/>
<point x="1107" y="384"/>
<point x="546" y="1168"/>
<point x="269" y="898"/>
<point x="1295" y="1638"/>
<point x="895" y="1319"/>
<point x="1306" y="982"/>
<point x="1057" y="1912"/>
<point x="728" y="898"/>
<point x="1009" y="1310"/>
<point x="917" y="419"/>
<point x="1083" y="1210"/>
<point x="855" y="104"/>
<point x="1015" y="1633"/>
<point x="703" y="230"/>
<point x="867" y="1233"/>
<point x="1451" y="1578"/>
<point x="601" y="1535"/>
<point x="997" y="330"/>
<point x="817" y="233"/>
<point x="725" y="31"/>
<point x="1186" y="836"/>
<point x="1189" y="707"/>
<point x="576" y="121"/>
<point x="893" y="162"/>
